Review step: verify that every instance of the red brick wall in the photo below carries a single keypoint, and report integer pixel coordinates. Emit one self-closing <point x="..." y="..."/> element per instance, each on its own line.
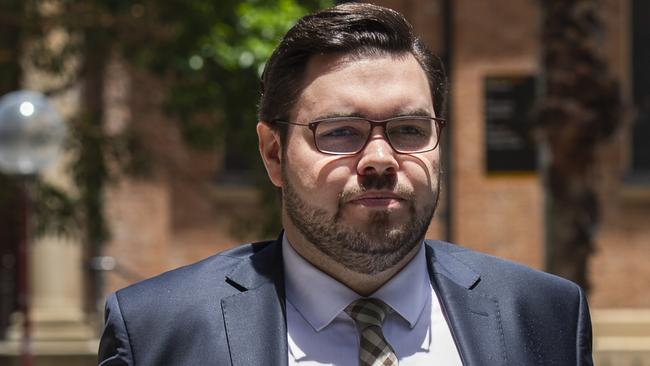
<point x="503" y="215"/>
<point x="176" y="217"/>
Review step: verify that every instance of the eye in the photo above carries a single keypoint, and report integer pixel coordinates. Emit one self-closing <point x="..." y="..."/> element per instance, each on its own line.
<point x="341" y="132"/>
<point x="340" y="129"/>
<point x="408" y="130"/>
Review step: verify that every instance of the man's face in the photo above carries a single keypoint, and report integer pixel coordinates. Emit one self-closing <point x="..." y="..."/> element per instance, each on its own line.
<point x="366" y="211"/>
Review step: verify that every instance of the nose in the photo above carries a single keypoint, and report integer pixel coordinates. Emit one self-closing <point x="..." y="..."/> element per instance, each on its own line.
<point x="378" y="157"/>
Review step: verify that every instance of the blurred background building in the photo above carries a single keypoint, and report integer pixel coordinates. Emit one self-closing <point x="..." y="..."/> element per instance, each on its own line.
<point x="162" y="168"/>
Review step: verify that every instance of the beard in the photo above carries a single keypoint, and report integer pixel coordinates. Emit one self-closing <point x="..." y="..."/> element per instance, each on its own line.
<point x="371" y="248"/>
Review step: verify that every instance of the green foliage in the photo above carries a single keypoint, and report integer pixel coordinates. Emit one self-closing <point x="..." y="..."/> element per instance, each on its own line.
<point x="55" y="211"/>
<point x="250" y="41"/>
<point x="90" y="174"/>
<point x="208" y="53"/>
<point x="215" y="61"/>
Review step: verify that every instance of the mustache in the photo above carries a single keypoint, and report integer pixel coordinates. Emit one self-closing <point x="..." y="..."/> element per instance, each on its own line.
<point x="378" y="181"/>
<point x="402" y="191"/>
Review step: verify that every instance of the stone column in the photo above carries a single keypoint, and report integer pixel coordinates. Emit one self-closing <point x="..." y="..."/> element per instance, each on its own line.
<point x="58" y="323"/>
<point x="56" y="306"/>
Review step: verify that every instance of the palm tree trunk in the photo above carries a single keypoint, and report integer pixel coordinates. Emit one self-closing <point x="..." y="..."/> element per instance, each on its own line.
<point x="579" y="108"/>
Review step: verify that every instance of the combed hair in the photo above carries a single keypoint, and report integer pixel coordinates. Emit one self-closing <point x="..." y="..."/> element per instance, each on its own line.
<point x="356" y="29"/>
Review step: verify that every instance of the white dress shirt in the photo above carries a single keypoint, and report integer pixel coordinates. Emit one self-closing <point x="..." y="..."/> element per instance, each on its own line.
<point x="319" y="332"/>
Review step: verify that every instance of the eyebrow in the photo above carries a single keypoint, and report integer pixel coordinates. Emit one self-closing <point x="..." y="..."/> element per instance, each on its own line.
<point x="407" y="112"/>
<point x="414" y="112"/>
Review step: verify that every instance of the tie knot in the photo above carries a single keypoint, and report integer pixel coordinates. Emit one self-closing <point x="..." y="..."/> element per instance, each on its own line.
<point x="367" y="312"/>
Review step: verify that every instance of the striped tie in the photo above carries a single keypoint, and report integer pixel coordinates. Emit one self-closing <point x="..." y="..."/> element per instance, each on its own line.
<point x="369" y="316"/>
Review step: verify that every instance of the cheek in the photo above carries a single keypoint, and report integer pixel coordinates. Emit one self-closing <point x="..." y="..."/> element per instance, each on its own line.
<point x="295" y="165"/>
<point x="422" y="173"/>
<point x="313" y="172"/>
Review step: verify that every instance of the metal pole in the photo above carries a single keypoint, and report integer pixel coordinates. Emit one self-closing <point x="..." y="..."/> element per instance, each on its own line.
<point x="448" y="45"/>
<point x="26" y="358"/>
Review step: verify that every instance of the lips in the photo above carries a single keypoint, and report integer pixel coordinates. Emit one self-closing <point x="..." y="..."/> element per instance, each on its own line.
<point x="380" y="199"/>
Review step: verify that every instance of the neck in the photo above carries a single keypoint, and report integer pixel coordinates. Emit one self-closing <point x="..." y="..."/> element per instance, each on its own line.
<point x="361" y="283"/>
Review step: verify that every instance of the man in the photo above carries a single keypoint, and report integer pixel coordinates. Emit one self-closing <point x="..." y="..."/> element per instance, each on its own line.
<point x="350" y="125"/>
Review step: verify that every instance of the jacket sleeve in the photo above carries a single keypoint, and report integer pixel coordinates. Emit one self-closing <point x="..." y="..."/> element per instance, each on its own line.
<point x="583" y="334"/>
<point x="114" y="346"/>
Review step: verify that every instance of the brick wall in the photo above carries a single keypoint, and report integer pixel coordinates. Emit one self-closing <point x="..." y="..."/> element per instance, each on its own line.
<point x="176" y="216"/>
<point x="503" y="215"/>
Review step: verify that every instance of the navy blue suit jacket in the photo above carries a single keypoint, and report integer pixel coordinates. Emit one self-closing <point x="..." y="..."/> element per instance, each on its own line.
<point x="229" y="310"/>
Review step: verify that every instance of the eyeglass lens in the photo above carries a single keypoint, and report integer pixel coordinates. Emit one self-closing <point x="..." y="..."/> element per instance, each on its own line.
<point x="350" y="136"/>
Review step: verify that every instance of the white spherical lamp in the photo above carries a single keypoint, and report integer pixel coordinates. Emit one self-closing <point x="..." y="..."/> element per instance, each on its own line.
<point x="31" y="133"/>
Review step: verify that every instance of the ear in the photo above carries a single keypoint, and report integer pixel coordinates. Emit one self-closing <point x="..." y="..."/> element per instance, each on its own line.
<point x="271" y="152"/>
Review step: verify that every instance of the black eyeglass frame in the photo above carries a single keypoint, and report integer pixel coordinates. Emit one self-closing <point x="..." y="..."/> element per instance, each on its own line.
<point x="440" y="124"/>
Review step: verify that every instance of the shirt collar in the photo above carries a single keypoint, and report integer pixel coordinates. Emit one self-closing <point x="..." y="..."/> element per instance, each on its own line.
<point x="320" y="298"/>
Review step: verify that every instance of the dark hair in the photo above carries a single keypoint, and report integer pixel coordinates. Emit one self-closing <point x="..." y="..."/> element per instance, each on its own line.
<point x="359" y="29"/>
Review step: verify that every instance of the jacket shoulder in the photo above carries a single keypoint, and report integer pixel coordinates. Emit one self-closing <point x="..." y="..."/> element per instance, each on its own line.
<point x="148" y="322"/>
<point x="542" y="318"/>
<point x="503" y="274"/>
<point x="193" y="279"/>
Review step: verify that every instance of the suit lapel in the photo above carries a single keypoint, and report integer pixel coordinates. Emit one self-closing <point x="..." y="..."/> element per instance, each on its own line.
<point x="254" y="319"/>
<point x="257" y="312"/>
<point x="472" y="315"/>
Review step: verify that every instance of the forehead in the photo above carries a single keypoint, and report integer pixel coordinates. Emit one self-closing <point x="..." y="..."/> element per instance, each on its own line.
<point x="375" y="86"/>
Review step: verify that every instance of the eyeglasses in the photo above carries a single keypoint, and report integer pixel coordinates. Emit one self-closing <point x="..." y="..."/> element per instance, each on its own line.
<point x="350" y="135"/>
